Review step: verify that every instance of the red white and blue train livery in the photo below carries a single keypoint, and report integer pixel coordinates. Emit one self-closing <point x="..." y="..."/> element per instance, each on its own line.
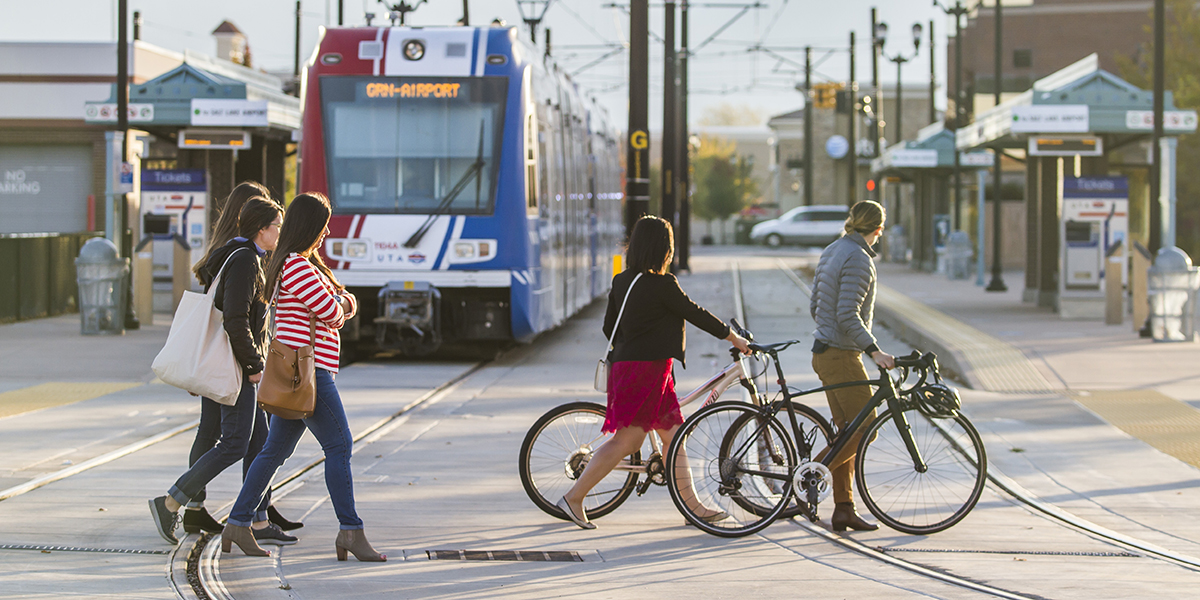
<point x="476" y="195"/>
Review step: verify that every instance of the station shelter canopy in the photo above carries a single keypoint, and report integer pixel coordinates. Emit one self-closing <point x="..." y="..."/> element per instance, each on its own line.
<point x="206" y="93"/>
<point x="1079" y="99"/>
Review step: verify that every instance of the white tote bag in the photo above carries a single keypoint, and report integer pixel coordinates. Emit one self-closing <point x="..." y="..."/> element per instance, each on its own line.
<point x="197" y="356"/>
<point x="601" y="380"/>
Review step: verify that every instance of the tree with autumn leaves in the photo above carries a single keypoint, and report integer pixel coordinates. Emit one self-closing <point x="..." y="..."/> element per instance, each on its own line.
<point x="1182" y="78"/>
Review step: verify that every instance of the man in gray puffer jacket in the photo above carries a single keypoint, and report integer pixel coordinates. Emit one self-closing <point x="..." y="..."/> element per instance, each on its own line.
<point x="843" y="305"/>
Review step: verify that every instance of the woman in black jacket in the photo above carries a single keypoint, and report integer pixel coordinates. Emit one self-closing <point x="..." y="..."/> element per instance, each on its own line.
<point x="239" y="298"/>
<point x="196" y="517"/>
<point x="649" y="337"/>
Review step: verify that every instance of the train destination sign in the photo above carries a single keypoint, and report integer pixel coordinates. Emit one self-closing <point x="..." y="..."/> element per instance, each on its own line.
<point x="381" y="89"/>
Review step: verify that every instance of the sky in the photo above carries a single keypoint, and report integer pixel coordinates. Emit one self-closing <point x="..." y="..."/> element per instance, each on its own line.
<point x="724" y="71"/>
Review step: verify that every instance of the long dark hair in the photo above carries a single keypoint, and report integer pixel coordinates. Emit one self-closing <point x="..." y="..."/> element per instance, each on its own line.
<point x="227" y="224"/>
<point x="651" y="246"/>
<point x="303" y="223"/>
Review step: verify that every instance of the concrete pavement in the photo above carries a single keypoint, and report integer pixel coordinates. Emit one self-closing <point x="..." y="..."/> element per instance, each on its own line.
<point x="444" y="478"/>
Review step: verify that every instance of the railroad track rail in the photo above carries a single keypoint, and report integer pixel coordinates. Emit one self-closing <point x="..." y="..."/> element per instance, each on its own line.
<point x="1006" y="487"/>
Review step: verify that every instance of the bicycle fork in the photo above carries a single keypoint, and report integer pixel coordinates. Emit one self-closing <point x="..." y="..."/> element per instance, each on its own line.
<point x="906" y="434"/>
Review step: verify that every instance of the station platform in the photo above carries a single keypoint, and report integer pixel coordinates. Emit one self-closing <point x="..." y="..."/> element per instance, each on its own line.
<point x="443" y="476"/>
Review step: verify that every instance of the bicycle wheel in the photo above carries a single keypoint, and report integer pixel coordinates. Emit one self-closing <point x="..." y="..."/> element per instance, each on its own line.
<point x="926" y="502"/>
<point x="558" y="448"/>
<point x="815" y="431"/>
<point x="717" y="453"/>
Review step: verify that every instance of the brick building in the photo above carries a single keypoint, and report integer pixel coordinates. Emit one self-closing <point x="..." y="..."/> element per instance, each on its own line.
<point x="1043" y="36"/>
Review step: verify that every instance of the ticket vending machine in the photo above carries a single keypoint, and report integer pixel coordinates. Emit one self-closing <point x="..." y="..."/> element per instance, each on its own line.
<point x="1095" y="218"/>
<point x="175" y="202"/>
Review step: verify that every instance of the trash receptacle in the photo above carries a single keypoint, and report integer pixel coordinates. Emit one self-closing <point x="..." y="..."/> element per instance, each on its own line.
<point x="741" y="233"/>
<point x="958" y="255"/>
<point x="101" y="273"/>
<point x="1171" y="286"/>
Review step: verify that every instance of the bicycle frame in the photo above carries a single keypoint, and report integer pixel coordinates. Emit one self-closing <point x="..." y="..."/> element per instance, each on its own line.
<point x="737" y="371"/>
<point x="886" y="392"/>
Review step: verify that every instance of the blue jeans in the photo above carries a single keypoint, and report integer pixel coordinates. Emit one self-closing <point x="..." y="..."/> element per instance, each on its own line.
<point x="243" y="428"/>
<point x="328" y="424"/>
<point x="209" y="431"/>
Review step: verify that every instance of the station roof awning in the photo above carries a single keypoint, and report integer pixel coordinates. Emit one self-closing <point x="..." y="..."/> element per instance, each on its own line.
<point x="1079" y="99"/>
<point x="205" y="92"/>
<point x="933" y="149"/>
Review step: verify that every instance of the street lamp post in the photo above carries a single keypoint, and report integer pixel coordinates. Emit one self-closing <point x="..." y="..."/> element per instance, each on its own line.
<point x="957" y="11"/>
<point x="900" y="59"/>
<point x="997" y="282"/>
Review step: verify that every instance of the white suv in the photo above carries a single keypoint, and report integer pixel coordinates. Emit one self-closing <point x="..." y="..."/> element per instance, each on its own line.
<point x="806" y="225"/>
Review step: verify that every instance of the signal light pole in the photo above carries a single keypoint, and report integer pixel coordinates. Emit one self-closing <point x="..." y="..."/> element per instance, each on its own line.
<point x="670" y="161"/>
<point x="637" y="169"/>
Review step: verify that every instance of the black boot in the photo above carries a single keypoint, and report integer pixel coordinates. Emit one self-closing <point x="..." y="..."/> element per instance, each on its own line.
<point x="284" y="524"/>
<point x="845" y="516"/>
<point x="196" y="520"/>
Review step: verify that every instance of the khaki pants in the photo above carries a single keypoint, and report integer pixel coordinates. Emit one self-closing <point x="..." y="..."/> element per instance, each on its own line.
<point x="841" y="366"/>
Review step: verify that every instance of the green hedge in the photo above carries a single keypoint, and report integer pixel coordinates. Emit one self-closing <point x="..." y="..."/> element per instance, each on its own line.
<point x="37" y="274"/>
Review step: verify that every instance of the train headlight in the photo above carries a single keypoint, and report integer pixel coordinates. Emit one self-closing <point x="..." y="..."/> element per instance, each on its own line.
<point x="464" y="250"/>
<point x="472" y="251"/>
<point x="356" y="250"/>
<point x="414" y="50"/>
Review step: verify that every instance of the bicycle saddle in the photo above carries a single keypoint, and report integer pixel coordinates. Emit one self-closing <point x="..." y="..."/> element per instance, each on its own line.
<point x="769" y="348"/>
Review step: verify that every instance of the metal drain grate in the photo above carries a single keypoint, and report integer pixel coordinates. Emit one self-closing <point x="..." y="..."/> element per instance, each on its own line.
<point x="506" y="555"/>
<point x="79" y="549"/>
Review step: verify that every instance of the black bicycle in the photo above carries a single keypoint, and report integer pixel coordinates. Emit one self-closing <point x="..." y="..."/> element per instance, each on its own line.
<point x="920" y="468"/>
<point x="561" y="442"/>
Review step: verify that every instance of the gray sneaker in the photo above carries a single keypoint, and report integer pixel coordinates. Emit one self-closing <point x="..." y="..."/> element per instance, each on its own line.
<point x="272" y="534"/>
<point x="165" y="520"/>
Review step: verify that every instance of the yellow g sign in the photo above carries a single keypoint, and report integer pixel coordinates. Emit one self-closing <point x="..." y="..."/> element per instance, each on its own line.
<point x="638" y="140"/>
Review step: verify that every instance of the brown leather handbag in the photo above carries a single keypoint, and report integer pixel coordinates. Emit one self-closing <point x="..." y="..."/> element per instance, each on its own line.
<point x="288" y="388"/>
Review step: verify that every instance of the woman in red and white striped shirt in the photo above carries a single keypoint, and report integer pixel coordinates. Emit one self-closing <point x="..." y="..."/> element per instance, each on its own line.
<point x="303" y="289"/>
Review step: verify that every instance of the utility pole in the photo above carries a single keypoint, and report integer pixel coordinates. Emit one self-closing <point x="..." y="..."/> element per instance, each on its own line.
<point x="670" y="162"/>
<point x="877" y="105"/>
<point x="1156" y="212"/>
<point x="685" y="169"/>
<point x="997" y="282"/>
<point x="547" y="41"/>
<point x="959" y="114"/>
<point x="466" y="18"/>
<point x="342" y="12"/>
<point x="131" y="320"/>
<point x="296" y="52"/>
<point x="932" y="76"/>
<point x="808" y="127"/>
<point x="853" y="92"/>
<point x="637" y="177"/>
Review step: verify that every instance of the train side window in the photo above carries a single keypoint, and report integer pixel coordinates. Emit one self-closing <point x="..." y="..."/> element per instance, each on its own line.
<point x="531" y="165"/>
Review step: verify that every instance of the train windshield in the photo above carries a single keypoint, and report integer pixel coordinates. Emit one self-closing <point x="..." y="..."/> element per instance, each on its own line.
<point x="413" y="145"/>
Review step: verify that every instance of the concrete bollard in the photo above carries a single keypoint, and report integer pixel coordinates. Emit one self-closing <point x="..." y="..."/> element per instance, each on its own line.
<point x="1114" y="292"/>
<point x="181" y="270"/>
<point x="1139" y="268"/>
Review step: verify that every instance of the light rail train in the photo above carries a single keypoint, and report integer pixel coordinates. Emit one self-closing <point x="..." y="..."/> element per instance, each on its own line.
<point x="476" y="194"/>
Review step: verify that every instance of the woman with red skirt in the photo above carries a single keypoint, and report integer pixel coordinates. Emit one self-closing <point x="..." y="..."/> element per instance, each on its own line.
<point x="647" y="341"/>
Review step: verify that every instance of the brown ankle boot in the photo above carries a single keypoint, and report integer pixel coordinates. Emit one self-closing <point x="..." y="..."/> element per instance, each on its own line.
<point x="244" y="538"/>
<point x="355" y="541"/>
<point x="845" y="516"/>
